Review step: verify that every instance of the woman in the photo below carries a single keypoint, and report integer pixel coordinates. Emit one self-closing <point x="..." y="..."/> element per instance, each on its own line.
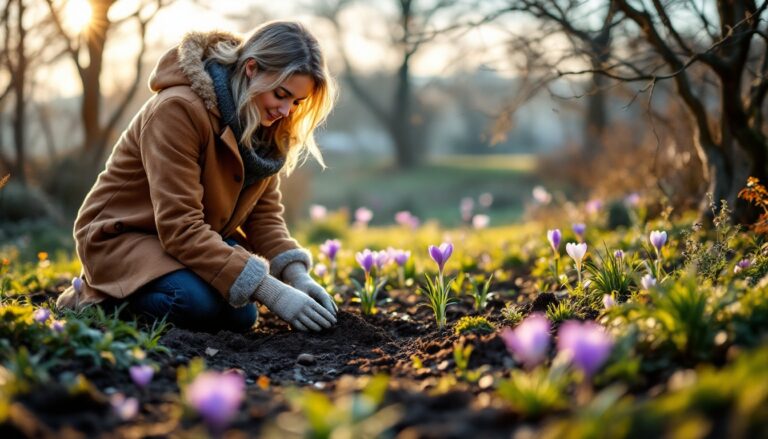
<point x="186" y="219"/>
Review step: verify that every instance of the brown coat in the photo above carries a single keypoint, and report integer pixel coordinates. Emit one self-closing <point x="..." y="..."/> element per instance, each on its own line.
<point x="170" y="192"/>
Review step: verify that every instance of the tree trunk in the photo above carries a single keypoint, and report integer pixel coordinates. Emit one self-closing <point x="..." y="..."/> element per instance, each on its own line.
<point x="407" y="154"/>
<point x="19" y="83"/>
<point x="94" y="141"/>
<point x="596" y="117"/>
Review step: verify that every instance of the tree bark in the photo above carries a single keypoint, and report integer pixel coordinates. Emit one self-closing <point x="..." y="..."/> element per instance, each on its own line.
<point x="19" y="83"/>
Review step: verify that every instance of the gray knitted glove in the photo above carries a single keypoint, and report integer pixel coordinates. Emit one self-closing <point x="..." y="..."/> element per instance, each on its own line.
<point x="295" y="274"/>
<point x="293" y="306"/>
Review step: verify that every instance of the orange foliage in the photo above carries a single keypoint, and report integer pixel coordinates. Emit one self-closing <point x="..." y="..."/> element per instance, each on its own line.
<point x="757" y="194"/>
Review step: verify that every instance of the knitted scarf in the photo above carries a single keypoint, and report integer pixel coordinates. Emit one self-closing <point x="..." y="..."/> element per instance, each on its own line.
<point x="263" y="159"/>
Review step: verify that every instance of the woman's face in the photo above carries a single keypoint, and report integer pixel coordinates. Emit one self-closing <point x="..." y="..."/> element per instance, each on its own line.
<point x="283" y="100"/>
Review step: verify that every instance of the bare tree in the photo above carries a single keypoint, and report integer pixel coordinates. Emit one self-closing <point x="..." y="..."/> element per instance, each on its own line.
<point x="98" y="131"/>
<point x="717" y="61"/>
<point x="20" y="57"/>
<point x="409" y="30"/>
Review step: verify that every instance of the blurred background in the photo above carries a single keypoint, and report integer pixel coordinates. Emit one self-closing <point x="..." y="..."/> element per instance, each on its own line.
<point x="465" y="113"/>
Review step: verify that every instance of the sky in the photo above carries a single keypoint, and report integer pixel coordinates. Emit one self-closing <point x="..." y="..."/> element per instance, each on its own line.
<point x="367" y="38"/>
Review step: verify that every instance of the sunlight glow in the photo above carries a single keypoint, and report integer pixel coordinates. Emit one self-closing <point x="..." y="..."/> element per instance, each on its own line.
<point x="77" y="15"/>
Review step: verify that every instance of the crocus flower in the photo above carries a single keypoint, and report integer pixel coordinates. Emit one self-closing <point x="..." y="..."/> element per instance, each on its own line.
<point x="485" y="199"/>
<point x="586" y="344"/>
<point x="466" y="206"/>
<point x="320" y="270"/>
<point x="648" y="282"/>
<point x="380" y="259"/>
<point x="529" y="341"/>
<point x="141" y="374"/>
<point x="406" y="219"/>
<point x="216" y="397"/>
<point x="541" y="195"/>
<point x="317" y="212"/>
<point x="579" y="229"/>
<point x="441" y="254"/>
<point x="400" y="256"/>
<point x="608" y="301"/>
<point x="742" y="265"/>
<point x="554" y="236"/>
<point x="658" y="239"/>
<point x="632" y="199"/>
<point x="480" y="221"/>
<point x="77" y="284"/>
<point x="363" y="215"/>
<point x="576" y="252"/>
<point x="593" y="206"/>
<point x="125" y="408"/>
<point x="57" y="325"/>
<point x="618" y="254"/>
<point x="41" y="315"/>
<point x="330" y="247"/>
<point x="365" y="259"/>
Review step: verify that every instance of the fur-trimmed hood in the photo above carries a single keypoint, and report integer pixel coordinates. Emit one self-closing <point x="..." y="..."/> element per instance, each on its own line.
<point x="184" y="65"/>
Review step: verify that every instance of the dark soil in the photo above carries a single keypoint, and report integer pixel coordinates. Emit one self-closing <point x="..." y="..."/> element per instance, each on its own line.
<point x="337" y="358"/>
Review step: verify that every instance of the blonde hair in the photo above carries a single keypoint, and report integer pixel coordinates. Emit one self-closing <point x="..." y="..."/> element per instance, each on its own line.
<point x="283" y="48"/>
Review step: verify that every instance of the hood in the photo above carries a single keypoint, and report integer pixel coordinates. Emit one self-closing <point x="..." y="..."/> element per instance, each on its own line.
<point x="184" y="65"/>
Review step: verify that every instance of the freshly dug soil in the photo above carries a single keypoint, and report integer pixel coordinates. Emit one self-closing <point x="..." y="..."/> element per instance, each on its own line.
<point x="433" y="402"/>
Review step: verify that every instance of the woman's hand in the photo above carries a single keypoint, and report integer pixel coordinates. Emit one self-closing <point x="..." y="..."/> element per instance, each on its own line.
<point x="293" y="306"/>
<point x="296" y="275"/>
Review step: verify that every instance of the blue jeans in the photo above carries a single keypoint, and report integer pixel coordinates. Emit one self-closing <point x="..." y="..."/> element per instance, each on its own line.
<point x="190" y="302"/>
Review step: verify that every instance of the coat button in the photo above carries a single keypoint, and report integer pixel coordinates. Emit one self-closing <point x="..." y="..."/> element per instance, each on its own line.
<point x="238" y="178"/>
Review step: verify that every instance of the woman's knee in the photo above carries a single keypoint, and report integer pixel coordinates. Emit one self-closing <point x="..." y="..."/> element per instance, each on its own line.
<point x="190" y="300"/>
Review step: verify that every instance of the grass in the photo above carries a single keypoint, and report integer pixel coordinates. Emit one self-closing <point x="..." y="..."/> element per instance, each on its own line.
<point x="431" y="191"/>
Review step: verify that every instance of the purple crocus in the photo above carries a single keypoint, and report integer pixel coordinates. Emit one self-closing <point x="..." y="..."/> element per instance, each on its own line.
<point x="380" y="259"/>
<point x="141" y="374"/>
<point x="41" y="315"/>
<point x="586" y="344"/>
<point x="216" y="397"/>
<point x="579" y="229"/>
<point x="441" y="254"/>
<point x="125" y="408"/>
<point x="320" y="270"/>
<point x="400" y="256"/>
<point x="618" y="254"/>
<point x="658" y="239"/>
<point x="77" y="284"/>
<point x="57" y="325"/>
<point x="406" y="219"/>
<point x="593" y="206"/>
<point x="648" y="282"/>
<point x="330" y="247"/>
<point x="608" y="301"/>
<point x="742" y="265"/>
<point x="366" y="260"/>
<point x="632" y="199"/>
<point x="554" y="236"/>
<point x="529" y="341"/>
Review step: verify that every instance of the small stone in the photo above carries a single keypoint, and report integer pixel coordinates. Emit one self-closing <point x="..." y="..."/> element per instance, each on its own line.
<point x="330" y="373"/>
<point x="180" y="359"/>
<point x="211" y="351"/>
<point x="306" y="359"/>
<point x="249" y="381"/>
<point x="443" y="365"/>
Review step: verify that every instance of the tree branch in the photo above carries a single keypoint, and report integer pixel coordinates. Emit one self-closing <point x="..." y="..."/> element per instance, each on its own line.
<point x="72" y="50"/>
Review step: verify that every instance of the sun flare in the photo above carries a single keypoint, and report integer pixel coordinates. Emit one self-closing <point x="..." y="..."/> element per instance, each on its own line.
<point x="77" y="14"/>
